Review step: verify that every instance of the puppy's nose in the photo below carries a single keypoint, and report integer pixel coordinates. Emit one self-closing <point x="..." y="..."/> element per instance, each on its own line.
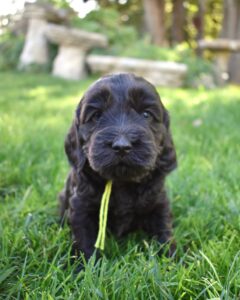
<point x="121" y="145"/>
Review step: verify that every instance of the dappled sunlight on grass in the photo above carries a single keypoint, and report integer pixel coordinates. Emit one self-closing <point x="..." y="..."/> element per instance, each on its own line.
<point x="36" y="112"/>
<point x="183" y="97"/>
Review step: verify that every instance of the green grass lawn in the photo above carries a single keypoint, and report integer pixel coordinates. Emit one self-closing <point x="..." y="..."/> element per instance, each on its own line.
<point x="35" y="113"/>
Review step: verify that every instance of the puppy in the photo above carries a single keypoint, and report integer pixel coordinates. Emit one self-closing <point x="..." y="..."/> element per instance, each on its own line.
<point x="120" y="132"/>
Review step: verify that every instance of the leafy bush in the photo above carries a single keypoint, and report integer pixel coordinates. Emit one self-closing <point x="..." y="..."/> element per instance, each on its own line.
<point x="10" y="50"/>
<point x="143" y="49"/>
<point x="106" y="21"/>
<point x="197" y="66"/>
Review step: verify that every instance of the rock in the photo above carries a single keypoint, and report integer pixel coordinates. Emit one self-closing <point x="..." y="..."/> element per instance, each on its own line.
<point x="157" y="72"/>
<point x="73" y="46"/>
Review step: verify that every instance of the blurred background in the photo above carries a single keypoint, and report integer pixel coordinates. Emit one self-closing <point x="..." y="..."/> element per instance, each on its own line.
<point x="199" y="40"/>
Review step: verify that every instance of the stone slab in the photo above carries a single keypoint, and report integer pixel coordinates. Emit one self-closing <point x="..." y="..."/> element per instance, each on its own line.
<point x="65" y="36"/>
<point x="157" y="72"/>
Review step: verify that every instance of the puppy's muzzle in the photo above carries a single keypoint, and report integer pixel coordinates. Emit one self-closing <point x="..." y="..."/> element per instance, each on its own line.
<point x="122" y="152"/>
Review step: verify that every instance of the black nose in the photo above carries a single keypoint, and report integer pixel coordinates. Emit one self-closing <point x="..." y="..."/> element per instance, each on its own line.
<point x="121" y="145"/>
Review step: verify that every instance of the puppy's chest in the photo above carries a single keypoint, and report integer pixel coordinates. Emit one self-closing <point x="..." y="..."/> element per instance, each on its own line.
<point x="121" y="212"/>
<point x="128" y="202"/>
<point x="121" y="203"/>
<point x="126" y="207"/>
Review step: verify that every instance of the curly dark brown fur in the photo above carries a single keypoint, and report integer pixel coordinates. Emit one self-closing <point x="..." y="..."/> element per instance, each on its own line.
<point x="120" y="132"/>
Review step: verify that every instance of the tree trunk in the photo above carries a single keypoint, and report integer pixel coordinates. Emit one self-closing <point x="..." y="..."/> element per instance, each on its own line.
<point x="231" y="30"/>
<point x="178" y="18"/>
<point x="234" y="64"/>
<point x="154" y="11"/>
<point x="201" y="12"/>
<point x="229" y="19"/>
<point x="199" y="23"/>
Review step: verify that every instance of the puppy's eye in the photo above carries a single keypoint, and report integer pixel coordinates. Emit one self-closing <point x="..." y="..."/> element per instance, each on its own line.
<point x="146" y="114"/>
<point x="95" y="116"/>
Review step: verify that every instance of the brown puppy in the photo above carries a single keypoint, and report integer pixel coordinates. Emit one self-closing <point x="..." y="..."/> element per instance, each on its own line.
<point x="120" y="132"/>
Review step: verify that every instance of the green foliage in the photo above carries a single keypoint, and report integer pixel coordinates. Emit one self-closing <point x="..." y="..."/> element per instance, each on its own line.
<point x="197" y="66"/>
<point x="36" y="112"/>
<point x="106" y="21"/>
<point x="10" y="50"/>
<point x="144" y="49"/>
<point x="131" y="13"/>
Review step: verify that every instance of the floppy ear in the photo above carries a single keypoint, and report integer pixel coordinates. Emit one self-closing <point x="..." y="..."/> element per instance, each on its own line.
<point x="167" y="160"/>
<point x="73" y="149"/>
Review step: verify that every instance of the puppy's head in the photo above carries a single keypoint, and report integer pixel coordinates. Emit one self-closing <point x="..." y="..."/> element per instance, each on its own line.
<point x="121" y="129"/>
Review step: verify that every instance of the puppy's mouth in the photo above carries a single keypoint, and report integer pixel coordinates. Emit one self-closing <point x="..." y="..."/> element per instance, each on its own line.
<point x="123" y="169"/>
<point x="124" y="172"/>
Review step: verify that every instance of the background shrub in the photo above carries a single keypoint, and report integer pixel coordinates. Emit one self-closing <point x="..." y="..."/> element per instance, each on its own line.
<point x="10" y="50"/>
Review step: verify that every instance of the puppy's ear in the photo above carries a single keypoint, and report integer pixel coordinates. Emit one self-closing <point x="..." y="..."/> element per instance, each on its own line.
<point x="167" y="160"/>
<point x="73" y="149"/>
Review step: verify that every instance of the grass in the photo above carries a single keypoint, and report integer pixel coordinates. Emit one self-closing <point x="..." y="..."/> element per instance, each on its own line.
<point x="35" y="113"/>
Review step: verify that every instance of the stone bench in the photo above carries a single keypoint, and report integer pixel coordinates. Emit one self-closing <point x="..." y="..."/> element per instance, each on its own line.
<point x="222" y="48"/>
<point x="35" y="50"/>
<point x="73" y="46"/>
<point x="158" y="73"/>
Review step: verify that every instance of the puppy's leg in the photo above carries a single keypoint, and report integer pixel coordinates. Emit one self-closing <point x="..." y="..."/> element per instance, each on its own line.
<point x="63" y="205"/>
<point x="63" y="197"/>
<point x="84" y="228"/>
<point x="158" y="224"/>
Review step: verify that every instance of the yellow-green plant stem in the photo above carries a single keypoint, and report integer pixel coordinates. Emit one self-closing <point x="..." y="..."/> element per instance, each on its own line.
<point x="100" y="243"/>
